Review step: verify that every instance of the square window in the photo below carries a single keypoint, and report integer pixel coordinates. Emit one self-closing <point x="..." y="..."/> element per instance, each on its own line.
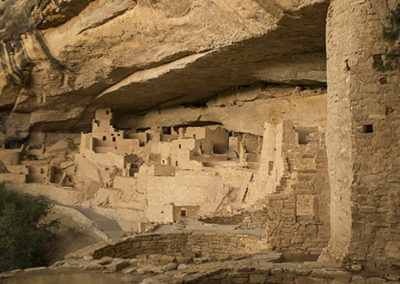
<point x="303" y="137"/>
<point x="368" y="128"/>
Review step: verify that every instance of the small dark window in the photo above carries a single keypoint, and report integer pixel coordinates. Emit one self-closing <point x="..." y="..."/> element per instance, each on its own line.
<point x="183" y="213"/>
<point x="368" y="128"/>
<point x="176" y="163"/>
<point x="42" y="171"/>
<point x="104" y="138"/>
<point x="107" y="112"/>
<point x="119" y="134"/>
<point x="194" y="136"/>
<point x="112" y="134"/>
<point x="167" y="130"/>
<point x="303" y="137"/>
<point x="180" y="146"/>
<point x="113" y="139"/>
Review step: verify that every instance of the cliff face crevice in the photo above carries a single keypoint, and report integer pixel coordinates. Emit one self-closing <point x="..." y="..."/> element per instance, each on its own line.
<point x="61" y="60"/>
<point x="20" y="17"/>
<point x="51" y="13"/>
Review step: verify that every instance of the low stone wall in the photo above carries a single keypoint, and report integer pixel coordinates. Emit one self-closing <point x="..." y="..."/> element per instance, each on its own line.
<point x="246" y="219"/>
<point x="187" y="243"/>
<point x="255" y="219"/>
<point x="13" y="178"/>
<point x="288" y="232"/>
<point x="232" y="219"/>
<point x="171" y="266"/>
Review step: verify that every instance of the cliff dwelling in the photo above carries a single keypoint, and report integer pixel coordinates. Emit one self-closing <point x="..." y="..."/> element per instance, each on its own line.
<point x="207" y="141"/>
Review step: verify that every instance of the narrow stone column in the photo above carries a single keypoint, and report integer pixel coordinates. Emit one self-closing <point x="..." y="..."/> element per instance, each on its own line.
<point x="363" y="138"/>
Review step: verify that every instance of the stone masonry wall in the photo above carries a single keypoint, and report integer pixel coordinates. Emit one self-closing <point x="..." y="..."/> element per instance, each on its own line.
<point x="231" y="219"/>
<point x="251" y="218"/>
<point x="187" y="243"/>
<point x="298" y="210"/>
<point x="363" y="139"/>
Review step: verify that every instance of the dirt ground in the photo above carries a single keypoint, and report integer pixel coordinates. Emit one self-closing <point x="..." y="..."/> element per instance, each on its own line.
<point x="71" y="235"/>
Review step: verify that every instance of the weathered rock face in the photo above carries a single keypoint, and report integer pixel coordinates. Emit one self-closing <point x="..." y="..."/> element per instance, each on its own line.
<point x="19" y="17"/>
<point x="66" y="58"/>
<point x="242" y="110"/>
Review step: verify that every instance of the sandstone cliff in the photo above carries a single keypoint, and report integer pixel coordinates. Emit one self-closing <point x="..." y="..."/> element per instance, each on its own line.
<point x="60" y="60"/>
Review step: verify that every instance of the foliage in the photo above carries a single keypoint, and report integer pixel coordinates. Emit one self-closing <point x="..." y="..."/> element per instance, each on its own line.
<point x="24" y="239"/>
<point x="391" y="34"/>
<point x="389" y="63"/>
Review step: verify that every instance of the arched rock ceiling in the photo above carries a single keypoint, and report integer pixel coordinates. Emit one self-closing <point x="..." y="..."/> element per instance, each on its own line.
<point x="64" y="60"/>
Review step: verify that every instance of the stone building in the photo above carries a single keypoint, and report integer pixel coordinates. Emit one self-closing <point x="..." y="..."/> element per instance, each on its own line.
<point x="11" y="168"/>
<point x="16" y="169"/>
<point x="184" y="172"/>
<point x="160" y="162"/>
<point x="362" y="139"/>
<point x="107" y="139"/>
<point x="106" y="153"/>
<point x="294" y="165"/>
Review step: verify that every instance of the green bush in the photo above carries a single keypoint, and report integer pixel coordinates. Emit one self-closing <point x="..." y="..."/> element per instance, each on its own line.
<point x="391" y="34"/>
<point x="24" y="239"/>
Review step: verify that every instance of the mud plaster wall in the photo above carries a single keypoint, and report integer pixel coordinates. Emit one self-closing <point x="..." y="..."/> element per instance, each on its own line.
<point x="203" y="188"/>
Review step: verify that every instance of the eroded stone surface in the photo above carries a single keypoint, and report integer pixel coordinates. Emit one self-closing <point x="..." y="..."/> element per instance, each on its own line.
<point x="135" y="56"/>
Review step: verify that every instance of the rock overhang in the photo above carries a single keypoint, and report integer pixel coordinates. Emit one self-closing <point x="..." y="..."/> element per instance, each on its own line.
<point x="125" y="62"/>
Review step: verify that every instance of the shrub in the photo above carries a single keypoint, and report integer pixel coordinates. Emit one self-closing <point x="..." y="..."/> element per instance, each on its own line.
<point x="391" y="34"/>
<point x="24" y="239"/>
